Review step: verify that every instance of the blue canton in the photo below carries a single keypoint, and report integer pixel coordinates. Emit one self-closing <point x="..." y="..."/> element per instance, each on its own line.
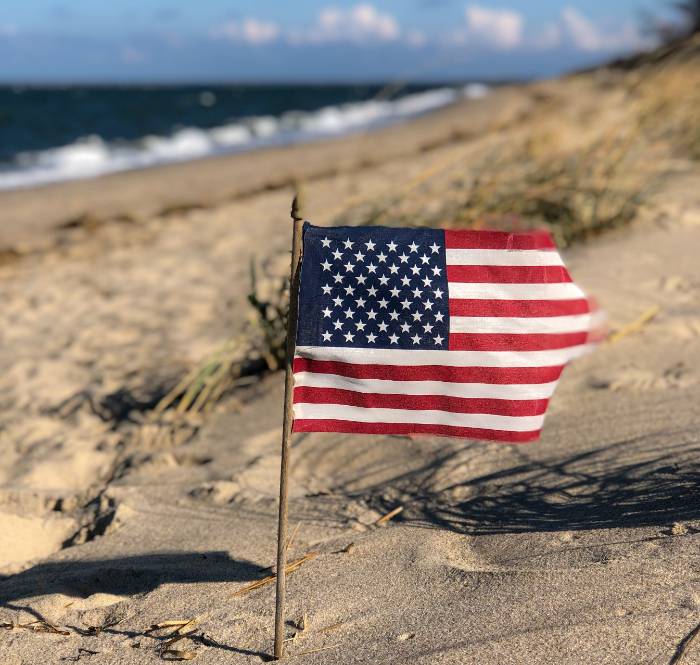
<point x="374" y="287"/>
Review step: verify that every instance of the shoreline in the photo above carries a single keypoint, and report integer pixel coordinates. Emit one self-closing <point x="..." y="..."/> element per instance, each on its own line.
<point x="124" y="292"/>
<point x="214" y="180"/>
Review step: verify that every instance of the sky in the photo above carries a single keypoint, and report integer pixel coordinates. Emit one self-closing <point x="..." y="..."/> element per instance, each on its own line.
<point x="311" y="40"/>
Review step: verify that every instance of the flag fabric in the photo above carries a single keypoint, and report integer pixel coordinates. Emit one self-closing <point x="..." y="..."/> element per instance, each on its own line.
<point x="423" y="331"/>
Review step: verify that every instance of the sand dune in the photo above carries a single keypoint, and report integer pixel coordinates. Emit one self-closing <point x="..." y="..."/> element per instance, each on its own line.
<point x="581" y="548"/>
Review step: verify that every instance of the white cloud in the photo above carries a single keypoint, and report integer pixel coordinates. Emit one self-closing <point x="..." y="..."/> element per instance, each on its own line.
<point x="131" y="55"/>
<point x="8" y="30"/>
<point x="549" y="37"/>
<point x="250" y="31"/>
<point x="587" y="36"/>
<point x="415" y="38"/>
<point x="503" y="28"/>
<point x="360" y="23"/>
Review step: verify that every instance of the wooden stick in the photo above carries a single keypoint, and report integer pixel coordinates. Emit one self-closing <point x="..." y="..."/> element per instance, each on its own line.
<point x="287" y="426"/>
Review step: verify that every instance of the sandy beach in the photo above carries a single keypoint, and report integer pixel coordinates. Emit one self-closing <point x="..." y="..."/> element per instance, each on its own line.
<point x="581" y="548"/>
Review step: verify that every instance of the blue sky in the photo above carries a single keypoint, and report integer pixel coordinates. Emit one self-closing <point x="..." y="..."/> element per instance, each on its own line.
<point x="311" y="40"/>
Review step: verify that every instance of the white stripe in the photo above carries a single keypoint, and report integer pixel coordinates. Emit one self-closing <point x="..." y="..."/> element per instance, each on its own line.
<point x="503" y="257"/>
<point x="489" y="291"/>
<point x="361" y="356"/>
<point x="363" y="415"/>
<point x="466" y="390"/>
<point x="516" y="325"/>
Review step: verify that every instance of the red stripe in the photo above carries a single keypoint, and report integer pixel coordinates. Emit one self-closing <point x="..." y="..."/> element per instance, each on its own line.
<point x="515" y="342"/>
<point x="350" y="426"/>
<point x="508" y="274"/>
<point x="497" y="407"/>
<point x="498" y="240"/>
<point x="505" y="375"/>
<point x="519" y="308"/>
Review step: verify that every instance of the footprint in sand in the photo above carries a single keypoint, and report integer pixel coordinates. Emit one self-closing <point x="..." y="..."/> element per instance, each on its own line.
<point x="638" y="379"/>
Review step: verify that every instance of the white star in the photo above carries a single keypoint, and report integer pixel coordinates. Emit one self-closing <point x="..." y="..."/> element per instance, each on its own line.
<point x="338" y="278"/>
<point x="326" y="337"/>
<point x="337" y="255"/>
<point x="413" y="247"/>
<point x="416" y="339"/>
<point x="326" y="265"/>
<point x="359" y="256"/>
<point x="327" y="312"/>
<point x="383" y="303"/>
<point x="326" y="242"/>
<point x="394" y="292"/>
<point x="371" y="337"/>
<point x="406" y="304"/>
<point x="417" y="316"/>
<point x="349" y="266"/>
<point x="436" y="271"/>
<point x="394" y="339"/>
<point x="338" y="324"/>
<point x="416" y="292"/>
<point x="405" y="327"/>
<point x="384" y="280"/>
<point x="371" y="314"/>
<point x="370" y="246"/>
<point x="415" y="270"/>
<point x="393" y="269"/>
<point x="425" y="259"/>
<point x="427" y="281"/>
<point x="438" y="294"/>
<point x="326" y="289"/>
<point x="360" y="302"/>
<point x="349" y="290"/>
<point x="383" y="327"/>
<point x="338" y="301"/>
<point x="381" y="257"/>
<point x="371" y="268"/>
<point x="360" y="325"/>
<point x="349" y="313"/>
<point x="361" y="279"/>
<point x="392" y="246"/>
<point x="428" y="327"/>
<point x="403" y="258"/>
<point x="428" y="304"/>
<point x="349" y="337"/>
<point x="372" y="290"/>
<point x="438" y="339"/>
<point x="348" y="244"/>
<point x="435" y="248"/>
<point x="405" y="281"/>
<point x="439" y="317"/>
<point x="394" y="315"/>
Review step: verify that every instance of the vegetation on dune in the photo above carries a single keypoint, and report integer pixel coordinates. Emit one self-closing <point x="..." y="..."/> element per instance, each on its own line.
<point x="535" y="175"/>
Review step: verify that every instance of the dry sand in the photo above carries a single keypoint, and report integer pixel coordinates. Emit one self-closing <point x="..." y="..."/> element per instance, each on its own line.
<point x="582" y="548"/>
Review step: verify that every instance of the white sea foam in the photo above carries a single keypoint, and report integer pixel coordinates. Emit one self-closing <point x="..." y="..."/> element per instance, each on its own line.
<point x="91" y="156"/>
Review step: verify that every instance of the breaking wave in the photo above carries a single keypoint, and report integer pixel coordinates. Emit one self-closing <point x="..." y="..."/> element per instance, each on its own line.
<point x="92" y="156"/>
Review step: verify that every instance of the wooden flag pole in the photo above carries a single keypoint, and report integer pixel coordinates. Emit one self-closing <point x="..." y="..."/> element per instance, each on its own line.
<point x="287" y="427"/>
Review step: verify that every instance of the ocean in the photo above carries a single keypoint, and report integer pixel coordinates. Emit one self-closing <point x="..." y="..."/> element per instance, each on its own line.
<point x="50" y="134"/>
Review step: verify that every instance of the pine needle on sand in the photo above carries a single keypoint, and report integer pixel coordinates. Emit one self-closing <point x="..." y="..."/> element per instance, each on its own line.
<point x="292" y="567"/>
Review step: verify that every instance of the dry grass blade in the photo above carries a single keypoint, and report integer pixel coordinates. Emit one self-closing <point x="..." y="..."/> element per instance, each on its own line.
<point x="310" y="651"/>
<point x="174" y="654"/>
<point x="636" y="325"/>
<point x="292" y="567"/>
<point x="389" y="516"/>
<point x="172" y="623"/>
<point x="683" y="647"/>
<point x="38" y="626"/>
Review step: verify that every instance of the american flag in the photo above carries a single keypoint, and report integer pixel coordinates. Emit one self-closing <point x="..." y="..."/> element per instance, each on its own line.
<point x="423" y="331"/>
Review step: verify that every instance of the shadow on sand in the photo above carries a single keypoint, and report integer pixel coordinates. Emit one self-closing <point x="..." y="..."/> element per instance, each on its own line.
<point x="630" y="483"/>
<point x="125" y="576"/>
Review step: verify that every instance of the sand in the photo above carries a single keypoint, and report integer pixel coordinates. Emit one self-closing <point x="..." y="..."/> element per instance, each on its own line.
<point x="581" y="548"/>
